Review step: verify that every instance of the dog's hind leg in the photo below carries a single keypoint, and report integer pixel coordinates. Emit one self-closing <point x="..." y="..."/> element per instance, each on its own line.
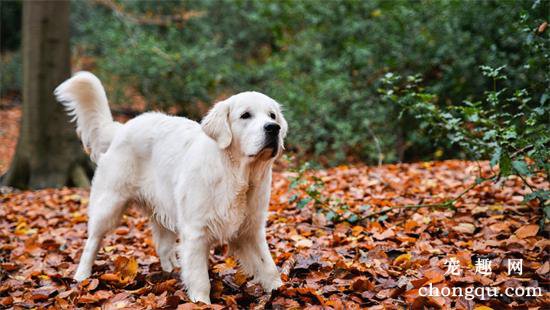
<point x="165" y="245"/>
<point x="105" y="210"/>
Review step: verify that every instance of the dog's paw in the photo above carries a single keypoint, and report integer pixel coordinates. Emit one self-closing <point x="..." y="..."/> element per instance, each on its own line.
<point x="199" y="297"/>
<point x="81" y="275"/>
<point x="169" y="263"/>
<point x="272" y="283"/>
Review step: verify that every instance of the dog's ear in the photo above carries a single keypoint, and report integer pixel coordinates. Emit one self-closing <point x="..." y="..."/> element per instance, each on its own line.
<point x="216" y="124"/>
<point x="282" y="120"/>
<point x="284" y="124"/>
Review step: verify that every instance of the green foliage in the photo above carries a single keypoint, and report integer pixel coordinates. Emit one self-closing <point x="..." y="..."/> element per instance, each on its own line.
<point x="307" y="189"/>
<point x="321" y="60"/>
<point x="505" y="126"/>
<point x="508" y="125"/>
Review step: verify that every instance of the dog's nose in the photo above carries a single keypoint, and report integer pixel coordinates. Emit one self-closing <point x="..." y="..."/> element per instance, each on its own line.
<point x="272" y="128"/>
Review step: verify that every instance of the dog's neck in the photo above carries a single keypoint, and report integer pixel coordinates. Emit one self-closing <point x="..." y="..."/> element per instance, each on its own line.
<point x="242" y="169"/>
<point x="231" y="158"/>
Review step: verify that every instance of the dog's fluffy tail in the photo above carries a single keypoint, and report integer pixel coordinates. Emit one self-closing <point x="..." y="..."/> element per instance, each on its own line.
<point x="84" y="98"/>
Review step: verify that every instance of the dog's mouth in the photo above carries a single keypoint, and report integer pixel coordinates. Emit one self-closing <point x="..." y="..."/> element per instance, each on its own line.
<point x="269" y="149"/>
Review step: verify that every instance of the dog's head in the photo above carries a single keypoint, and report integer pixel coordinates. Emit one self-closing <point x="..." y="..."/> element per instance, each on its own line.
<point x="249" y="122"/>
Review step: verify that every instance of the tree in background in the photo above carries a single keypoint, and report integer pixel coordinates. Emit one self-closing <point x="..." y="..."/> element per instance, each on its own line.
<point x="48" y="153"/>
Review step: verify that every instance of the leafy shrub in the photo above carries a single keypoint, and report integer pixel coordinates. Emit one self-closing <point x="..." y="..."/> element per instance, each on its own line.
<point x="321" y="60"/>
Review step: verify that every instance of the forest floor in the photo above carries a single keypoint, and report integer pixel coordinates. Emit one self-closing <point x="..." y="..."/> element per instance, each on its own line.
<point x="359" y="248"/>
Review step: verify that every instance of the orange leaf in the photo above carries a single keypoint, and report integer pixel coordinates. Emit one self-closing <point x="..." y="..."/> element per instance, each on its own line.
<point x="527" y="231"/>
<point x="110" y="277"/>
<point x="483" y="308"/>
<point x="435" y="275"/>
<point x="127" y="268"/>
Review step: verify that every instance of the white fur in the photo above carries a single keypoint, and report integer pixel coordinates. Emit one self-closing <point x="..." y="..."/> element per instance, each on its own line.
<point x="202" y="183"/>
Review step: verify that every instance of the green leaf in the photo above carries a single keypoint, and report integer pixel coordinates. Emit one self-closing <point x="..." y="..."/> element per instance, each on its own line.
<point x="352" y="217"/>
<point x="496" y="156"/>
<point x="382" y="218"/>
<point x="543" y="99"/>
<point x="331" y="215"/>
<point x="365" y="208"/>
<point x="505" y="164"/>
<point x="541" y="194"/>
<point x="521" y="167"/>
<point x="529" y="197"/>
<point x="293" y="198"/>
<point x="303" y="202"/>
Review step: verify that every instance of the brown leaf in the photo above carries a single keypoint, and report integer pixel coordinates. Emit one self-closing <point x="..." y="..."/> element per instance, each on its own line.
<point x="9" y="266"/>
<point x="527" y="231"/>
<point x="89" y="284"/>
<point x="362" y="284"/>
<point x="434" y="275"/>
<point x="122" y="230"/>
<point x="544" y="269"/>
<point x="168" y="285"/>
<point x="110" y="277"/>
<point x="388" y="233"/>
<point x="88" y="299"/>
<point x="6" y="301"/>
<point x="42" y="293"/>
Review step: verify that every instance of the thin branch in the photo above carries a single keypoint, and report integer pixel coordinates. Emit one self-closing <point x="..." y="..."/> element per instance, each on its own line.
<point x="541" y="202"/>
<point x="449" y="204"/>
<point x="467" y="190"/>
<point x="516" y="153"/>
<point x="376" y="143"/>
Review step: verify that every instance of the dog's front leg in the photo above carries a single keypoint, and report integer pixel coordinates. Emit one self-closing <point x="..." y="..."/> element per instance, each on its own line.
<point x="251" y="248"/>
<point x="252" y="251"/>
<point x="193" y="255"/>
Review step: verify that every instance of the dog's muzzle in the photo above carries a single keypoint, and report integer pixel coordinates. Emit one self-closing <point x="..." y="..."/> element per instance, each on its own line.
<point x="272" y="138"/>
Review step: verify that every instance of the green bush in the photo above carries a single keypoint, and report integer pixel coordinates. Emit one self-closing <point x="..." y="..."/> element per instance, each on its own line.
<point x="322" y="60"/>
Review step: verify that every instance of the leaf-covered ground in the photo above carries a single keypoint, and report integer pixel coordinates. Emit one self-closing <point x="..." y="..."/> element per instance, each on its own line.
<point x="380" y="262"/>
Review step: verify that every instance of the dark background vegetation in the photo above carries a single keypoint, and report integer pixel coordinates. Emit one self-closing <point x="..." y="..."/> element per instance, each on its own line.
<point x="324" y="61"/>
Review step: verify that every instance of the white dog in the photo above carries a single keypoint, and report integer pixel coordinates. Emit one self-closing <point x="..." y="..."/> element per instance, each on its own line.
<point x="203" y="183"/>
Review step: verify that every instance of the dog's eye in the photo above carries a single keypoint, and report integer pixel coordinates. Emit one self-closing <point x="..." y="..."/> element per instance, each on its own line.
<point x="272" y="115"/>
<point x="246" y="115"/>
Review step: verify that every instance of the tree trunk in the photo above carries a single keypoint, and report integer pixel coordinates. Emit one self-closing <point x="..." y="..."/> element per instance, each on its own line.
<point x="48" y="153"/>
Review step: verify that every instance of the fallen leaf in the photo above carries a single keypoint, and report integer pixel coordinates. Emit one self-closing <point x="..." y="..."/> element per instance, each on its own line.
<point x="465" y="228"/>
<point x="527" y="231"/>
<point x="304" y="243"/>
<point x="127" y="268"/>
